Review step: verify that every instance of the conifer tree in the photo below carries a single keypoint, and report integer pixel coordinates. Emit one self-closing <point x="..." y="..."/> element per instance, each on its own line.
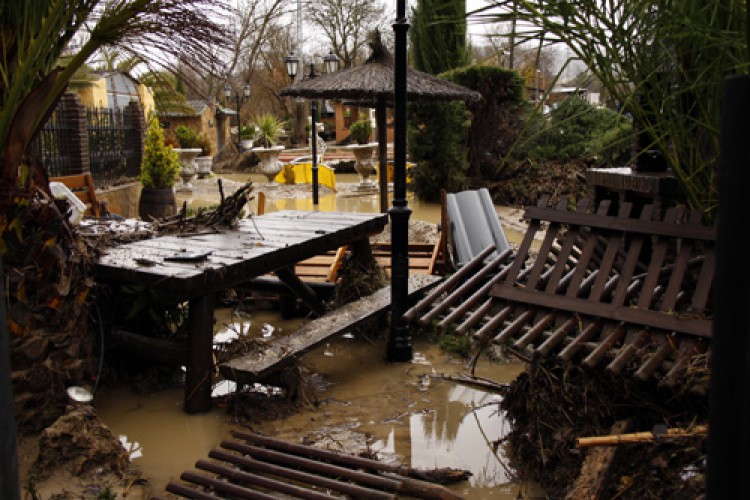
<point x="437" y="135"/>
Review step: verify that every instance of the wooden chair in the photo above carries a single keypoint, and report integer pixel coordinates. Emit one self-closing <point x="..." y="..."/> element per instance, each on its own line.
<point x="82" y="186"/>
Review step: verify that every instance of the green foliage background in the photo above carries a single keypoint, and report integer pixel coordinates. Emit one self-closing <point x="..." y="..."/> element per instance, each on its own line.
<point x="437" y="132"/>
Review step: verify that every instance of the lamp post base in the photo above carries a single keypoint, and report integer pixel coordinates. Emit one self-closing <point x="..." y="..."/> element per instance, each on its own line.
<point x="399" y="348"/>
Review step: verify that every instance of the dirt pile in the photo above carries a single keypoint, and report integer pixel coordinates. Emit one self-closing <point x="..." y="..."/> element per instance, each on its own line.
<point x="81" y="444"/>
<point x="522" y="184"/>
<point x="552" y="405"/>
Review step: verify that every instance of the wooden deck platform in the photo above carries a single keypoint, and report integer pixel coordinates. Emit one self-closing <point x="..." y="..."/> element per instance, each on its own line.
<point x="277" y="353"/>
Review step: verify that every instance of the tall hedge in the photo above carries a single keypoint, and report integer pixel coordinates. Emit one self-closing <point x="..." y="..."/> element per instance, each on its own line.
<point x="437" y="132"/>
<point x="496" y="120"/>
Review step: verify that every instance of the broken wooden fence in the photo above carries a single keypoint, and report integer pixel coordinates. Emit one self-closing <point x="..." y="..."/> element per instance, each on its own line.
<point x="627" y="293"/>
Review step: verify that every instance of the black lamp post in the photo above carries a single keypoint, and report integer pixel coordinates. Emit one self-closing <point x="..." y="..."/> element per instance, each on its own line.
<point x="245" y="96"/>
<point x="331" y="63"/>
<point x="399" y="340"/>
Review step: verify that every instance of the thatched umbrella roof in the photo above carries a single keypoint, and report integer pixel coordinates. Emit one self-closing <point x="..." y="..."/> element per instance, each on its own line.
<point x="372" y="83"/>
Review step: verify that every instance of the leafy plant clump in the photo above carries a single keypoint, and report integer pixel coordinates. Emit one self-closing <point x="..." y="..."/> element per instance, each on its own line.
<point x="456" y="344"/>
<point x="268" y="130"/>
<point x="187" y="137"/>
<point x="160" y="163"/>
<point x="360" y="131"/>
<point x="577" y="130"/>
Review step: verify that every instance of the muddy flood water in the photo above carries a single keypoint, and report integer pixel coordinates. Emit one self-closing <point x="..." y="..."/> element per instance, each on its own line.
<point x="404" y="411"/>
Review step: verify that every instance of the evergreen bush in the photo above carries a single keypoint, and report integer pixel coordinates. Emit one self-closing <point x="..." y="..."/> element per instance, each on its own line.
<point x="186" y="137"/>
<point x="160" y="162"/>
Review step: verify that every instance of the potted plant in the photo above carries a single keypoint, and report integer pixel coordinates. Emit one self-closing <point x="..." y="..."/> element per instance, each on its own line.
<point x="268" y="130"/>
<point x="159" y="170"/>
<point x="360" y="132"/>
<point x="204" y="161"/>
<point x="247" y="134"/>
<point x="188" y="151"/>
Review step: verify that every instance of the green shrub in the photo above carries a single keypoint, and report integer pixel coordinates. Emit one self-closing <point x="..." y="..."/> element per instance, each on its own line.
<point x="269" y="128"/>
<point x="186" y="137"/>
<point x="576" y="130"/>
<point x="160" y="162"/>
<point x="456" y="344"/>
<point x="360" y="131"/>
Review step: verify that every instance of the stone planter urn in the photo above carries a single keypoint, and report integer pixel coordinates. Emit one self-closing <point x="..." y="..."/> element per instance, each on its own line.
<point x="269" y="165"/>
<point x="187" y="161"/>
<point x="364" y="165"/>
<point x="203" y="165"/>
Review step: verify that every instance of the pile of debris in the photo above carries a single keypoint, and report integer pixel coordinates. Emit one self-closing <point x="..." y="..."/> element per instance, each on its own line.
<point x="552" y="405"/>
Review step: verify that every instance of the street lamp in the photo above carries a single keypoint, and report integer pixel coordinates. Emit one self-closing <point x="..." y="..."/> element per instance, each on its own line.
<point x="399" y="340"/>
<point x="245" y="96"/>
<point x="331" y="63"/>
<point x="292" y="65"/>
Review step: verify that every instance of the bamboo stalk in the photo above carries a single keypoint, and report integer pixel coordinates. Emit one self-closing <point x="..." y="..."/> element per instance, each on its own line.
<point x="641" y="437"/>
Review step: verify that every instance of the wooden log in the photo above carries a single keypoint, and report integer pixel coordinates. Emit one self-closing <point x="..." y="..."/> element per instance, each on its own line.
<point x="243" y="477"/>
<point x="398" y="473"/>
<point x="354" y="490"/>
<point x="224" y="487"/>
<point x="151" y="348"/>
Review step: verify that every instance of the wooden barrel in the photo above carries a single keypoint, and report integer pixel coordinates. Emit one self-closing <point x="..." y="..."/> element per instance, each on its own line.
<point x="157" y="203"/>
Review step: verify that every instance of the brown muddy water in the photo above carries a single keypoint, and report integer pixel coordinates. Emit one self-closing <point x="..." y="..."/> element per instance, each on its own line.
<point x="404" y="411"/>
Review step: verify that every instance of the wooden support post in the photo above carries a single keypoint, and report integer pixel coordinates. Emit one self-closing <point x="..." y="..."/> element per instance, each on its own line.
<point x="199" y="354"/>
<point x="304" y="292"/>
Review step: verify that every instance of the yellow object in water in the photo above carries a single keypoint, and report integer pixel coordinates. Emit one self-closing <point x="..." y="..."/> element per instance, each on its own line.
<point x="390" y="171"/>
<point x="301" y="173"/>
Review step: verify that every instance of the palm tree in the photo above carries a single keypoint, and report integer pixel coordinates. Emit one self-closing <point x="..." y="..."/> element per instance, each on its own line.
<point x="35" y="34"/>
<point x="48" y="268"/>
<point x="663" y="60"/>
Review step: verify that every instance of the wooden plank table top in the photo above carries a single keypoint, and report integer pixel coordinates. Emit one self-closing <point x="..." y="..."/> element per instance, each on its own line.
<point x="195" y="267"/>
<point x="255" y="247"/>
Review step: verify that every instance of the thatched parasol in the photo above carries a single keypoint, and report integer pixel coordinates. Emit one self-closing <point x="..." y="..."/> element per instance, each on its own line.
<point x="371" y="85"/>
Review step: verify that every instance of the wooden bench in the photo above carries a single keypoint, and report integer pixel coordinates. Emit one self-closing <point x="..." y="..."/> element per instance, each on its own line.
<point x="82" y="185"/>
<point x="278" y="352"/>
<point x="631" y="294"/>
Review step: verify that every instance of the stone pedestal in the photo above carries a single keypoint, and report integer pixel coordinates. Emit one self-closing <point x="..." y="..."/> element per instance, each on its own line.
<point x="365" y="166"/>
<point x="187" y="172"/>
<point x="269" y="165"/>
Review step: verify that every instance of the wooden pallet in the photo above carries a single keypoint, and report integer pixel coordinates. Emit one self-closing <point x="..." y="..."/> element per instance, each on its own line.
<point x="629" y="294"/>
<point x="261" y="467"/>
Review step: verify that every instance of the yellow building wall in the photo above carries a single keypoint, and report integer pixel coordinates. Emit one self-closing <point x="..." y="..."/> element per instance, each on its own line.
<point x="94" y="96"/>
<point x="147" y="100"/>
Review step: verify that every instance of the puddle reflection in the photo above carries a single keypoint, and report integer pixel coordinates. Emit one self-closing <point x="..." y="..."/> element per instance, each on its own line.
<point x="459" y="433"/>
